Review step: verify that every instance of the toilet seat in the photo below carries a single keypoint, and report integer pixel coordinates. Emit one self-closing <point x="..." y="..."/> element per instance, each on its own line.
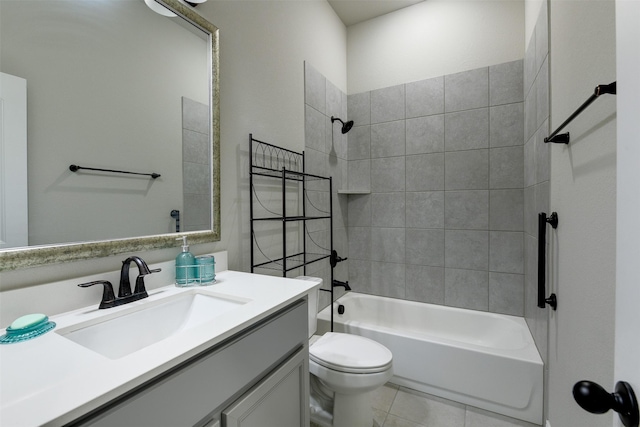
<point x="350" y="354"/>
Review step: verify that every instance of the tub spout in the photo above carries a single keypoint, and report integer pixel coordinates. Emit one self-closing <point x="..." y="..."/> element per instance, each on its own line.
<point x="337" y="283"/>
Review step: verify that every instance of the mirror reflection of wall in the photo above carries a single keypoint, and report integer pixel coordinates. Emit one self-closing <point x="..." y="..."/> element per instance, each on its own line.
<point x="105" y="82"/>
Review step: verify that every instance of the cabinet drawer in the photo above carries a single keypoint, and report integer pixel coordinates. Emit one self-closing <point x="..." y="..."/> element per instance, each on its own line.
<point x="191" y="393"/>
<point x="279" y="400"/>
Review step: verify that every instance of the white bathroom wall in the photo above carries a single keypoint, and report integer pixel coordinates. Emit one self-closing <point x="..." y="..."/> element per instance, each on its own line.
<point x="433" y="38"/>
<point x="583" y="192"/>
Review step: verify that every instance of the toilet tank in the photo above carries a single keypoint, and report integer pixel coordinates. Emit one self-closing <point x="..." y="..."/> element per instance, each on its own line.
<point x="313" y="297"/>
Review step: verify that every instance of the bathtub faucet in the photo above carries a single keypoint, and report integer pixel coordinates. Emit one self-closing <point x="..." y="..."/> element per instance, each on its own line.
<point x="337" y="283"/>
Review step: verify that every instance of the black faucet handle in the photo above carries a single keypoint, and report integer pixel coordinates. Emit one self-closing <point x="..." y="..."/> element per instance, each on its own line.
<point x="140" y="288"/>
<point x="108" y="297"/>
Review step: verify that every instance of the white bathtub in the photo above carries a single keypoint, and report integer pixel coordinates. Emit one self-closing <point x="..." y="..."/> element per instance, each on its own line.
<point x="481" y="359"/>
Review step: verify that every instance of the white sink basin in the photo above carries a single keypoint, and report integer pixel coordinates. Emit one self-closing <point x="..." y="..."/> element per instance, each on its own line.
<point x="147" y="323"/>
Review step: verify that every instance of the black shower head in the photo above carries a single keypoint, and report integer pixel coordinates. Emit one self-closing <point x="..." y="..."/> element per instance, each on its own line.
<point x="346" y="127"/>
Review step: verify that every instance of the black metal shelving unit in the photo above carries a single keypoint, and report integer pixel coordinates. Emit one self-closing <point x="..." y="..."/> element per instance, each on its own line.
<point x="287" y="166"/>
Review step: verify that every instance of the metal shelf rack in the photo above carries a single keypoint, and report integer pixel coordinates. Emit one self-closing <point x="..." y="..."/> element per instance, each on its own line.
<point x="287" y="166"/>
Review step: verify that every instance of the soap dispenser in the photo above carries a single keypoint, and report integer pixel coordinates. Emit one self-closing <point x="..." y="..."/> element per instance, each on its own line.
<point x="185" y="265"/>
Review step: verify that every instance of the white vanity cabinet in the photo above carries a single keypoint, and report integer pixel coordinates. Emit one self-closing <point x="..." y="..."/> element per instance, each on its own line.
<point x="258" y="377"/>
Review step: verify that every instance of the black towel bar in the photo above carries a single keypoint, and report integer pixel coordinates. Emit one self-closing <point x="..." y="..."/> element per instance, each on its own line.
<point x="75" y="168"/>
<point x="542" y="267"/>
<point x="564" y="138"/>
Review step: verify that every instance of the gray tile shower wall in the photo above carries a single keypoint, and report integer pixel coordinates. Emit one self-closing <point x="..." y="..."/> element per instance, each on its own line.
<point x="536" y="170"/>
<point x="326" y="155"/>
<point x="444" y="161"/>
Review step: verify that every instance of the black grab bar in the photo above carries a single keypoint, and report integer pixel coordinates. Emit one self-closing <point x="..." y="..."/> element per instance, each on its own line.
<point x="542" y="268"/>
<point x="75" y="168"/>
<point x="564" y="137"/>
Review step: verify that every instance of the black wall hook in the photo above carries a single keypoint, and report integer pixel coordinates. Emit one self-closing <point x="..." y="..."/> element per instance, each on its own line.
<point x="593" y="398"/>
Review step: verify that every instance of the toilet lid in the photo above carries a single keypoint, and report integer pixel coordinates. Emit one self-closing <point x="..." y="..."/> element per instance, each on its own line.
<point x="350" y="353"/>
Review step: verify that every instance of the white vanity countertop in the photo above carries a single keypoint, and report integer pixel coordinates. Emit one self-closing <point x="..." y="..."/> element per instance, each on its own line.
<point x="51" y="380"/>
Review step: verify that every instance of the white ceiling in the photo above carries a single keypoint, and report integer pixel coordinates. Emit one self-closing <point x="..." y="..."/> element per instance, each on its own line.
<point x="354" y="11"/>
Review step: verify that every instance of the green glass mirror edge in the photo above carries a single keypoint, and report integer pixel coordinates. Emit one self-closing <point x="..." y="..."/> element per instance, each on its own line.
<point x="39" y="256"/>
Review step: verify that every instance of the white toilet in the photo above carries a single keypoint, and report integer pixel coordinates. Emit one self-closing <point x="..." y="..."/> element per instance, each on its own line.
<point x="345" y="369"/>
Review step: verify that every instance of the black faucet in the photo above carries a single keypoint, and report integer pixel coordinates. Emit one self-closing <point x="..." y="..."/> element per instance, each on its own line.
<point x="337" y="283"/>
<point x="125" y="286"/>
<point x="124" y="292"/>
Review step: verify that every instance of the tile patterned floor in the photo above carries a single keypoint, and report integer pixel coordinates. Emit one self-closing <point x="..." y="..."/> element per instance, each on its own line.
<point x="395" y="406"/>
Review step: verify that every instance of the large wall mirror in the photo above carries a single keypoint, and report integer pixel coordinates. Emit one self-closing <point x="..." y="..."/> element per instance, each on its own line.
<point x="123" y="92"/>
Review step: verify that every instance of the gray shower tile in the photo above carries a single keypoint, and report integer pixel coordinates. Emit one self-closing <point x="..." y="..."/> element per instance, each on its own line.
<point x="359" y="143"/>
<point x="359" y="210"/>
<point x="542" y="34"/>
<point x="506" y="252"/>
<point x="530" y="113"/>
<point x="466" y="90"/>
<point x="425" y="134"/>
<point x="466" y="289"/>
<point x="387" y="104"/>
<point x="388" y="244"/>
<point x="530" y="67"/>
<point x="530" y="214"/>
<point x="542" y="198"/>
<point x="314" y="88"/>
<point x="335" y="141"/>
<point x="529" y="161"/>
<point x="314" y="129"/>
<point x="196" y="147"/>
<point x="388" y="209"/>
<point x="196" y="177"/>
<point x="360" y="276"/>
<point x="506" y="125"/>
<point x="316" y="163"/>
<point x="425" y="97"/>
<point x="388" y="174"/>
<point x="542" y="154"/>
<point x="425" y="247"/>
<point x="506" y="210"/>
<point x="333" y="101"/>
<point x="466" y="210"/>
<point x="335" y="169"/>
<point x="359" y="107"/>
<point x="466" y="130"/>
<point x="506" y="167"/>
<point x="388" y="139"/>
<point x="359" y="243"/>
<point x="195" y="116"/>
<point x="424" y="283"/>
<point x="467" y="170"/>
<point x="531" y="276"/>
<point x="359" y="174"/>
<point x="197" y="211"/>
<point x="388" y="279"/>
<point x="505" y="83"/>
<point x="466" y="249"/>
<point x="542" y="94"/>
<point x="425" y="172"/>
<point x="425" y="209"/>
<point x="506" y="293"/>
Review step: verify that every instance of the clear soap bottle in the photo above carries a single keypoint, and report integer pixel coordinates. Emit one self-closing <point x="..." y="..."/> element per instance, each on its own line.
<point x="185" y="265"/>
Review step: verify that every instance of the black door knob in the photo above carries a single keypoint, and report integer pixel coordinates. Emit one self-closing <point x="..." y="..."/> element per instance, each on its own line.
<point x="595" y="399"/>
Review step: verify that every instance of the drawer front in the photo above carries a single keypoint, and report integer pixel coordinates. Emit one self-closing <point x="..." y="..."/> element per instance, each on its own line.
<point x="187" y="396"/>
